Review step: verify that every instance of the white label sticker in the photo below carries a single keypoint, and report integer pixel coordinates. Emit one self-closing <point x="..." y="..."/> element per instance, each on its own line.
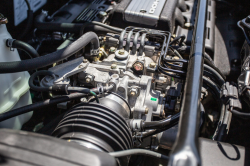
<point x="20" y="9"/>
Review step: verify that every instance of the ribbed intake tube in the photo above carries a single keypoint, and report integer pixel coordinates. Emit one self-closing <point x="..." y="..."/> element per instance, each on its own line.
<point x="96" y="126"/>
<point x="35" y="63"/>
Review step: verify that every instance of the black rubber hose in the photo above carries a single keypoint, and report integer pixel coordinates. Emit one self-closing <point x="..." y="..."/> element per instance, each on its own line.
<point x="41" y="24"/>
<point x="160" y="124"/>
<point x="111" y="28"/>
<point x="29" y="23"/>
<point x="186" y="50"/>
<point x="240" y="114"/>
<point x="215" y="74"/>
<point x="23" y="46"/>
<point x="225" y="116"/>
<point x="100" y="30"/>
<point x="53" y="26"/>
<point x="208" y="58"/>
<point x="224" y="128"/>
<point x="212" y="85"/>
<point x="32" y="64"/>
<point x="153" y="132"/>
<point x="47" y="103"/>
<point x="214" y="67"/>
<point x="42" y="104"/>
<point x="182" y="37"/>
<point x="173" y="123"/>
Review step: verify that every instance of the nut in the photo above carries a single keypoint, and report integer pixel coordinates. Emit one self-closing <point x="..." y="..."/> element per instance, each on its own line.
<point x="112" y="49"/>
<point x="121" y="52"/>
<point x="85" y="61"/>
<point x="146" y="110"/>
<point x="152" y="65"/>
<point x="102" y="14"/>
<point x="89" y="78"/>
<point x="133" y="92"/>
<point x="113" y="66"/>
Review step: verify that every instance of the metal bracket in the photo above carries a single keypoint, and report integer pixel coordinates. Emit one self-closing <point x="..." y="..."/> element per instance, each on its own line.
<point x="94" y="51"/>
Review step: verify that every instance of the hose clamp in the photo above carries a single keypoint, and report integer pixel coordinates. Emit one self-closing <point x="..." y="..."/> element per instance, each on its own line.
<point x="100" y="90"/>
<point x="136" y="125"/>
<point x="9" y="43"/>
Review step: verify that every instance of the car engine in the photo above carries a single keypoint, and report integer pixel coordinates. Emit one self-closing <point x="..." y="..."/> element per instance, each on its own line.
<point x="124" y="82"/>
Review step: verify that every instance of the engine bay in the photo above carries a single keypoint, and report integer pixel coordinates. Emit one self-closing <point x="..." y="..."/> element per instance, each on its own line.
<point x="124" y="82"/>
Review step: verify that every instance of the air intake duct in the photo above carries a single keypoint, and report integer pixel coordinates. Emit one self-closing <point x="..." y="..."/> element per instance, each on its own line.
<point x="95" y="126"/>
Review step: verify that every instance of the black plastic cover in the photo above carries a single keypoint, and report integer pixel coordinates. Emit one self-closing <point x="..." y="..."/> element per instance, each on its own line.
<point x="141" y="14"/>
<point x="18" y="148"/>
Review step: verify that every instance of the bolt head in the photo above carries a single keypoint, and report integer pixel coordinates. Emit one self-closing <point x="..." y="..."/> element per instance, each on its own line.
<point x="152" y="65"/>
<point x="85" y="60"/>
<point x="121" y="52"/>
<point x="146" y="110"/>
<point x="132" y="93"/>
<point x="188" y="25"/>
<point x="113" y="66"/>
<point x="88" y="80"/>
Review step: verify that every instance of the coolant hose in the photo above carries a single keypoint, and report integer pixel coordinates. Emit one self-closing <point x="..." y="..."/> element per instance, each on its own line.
<point x="32" y="64"/>
<point x="22" y="46"/>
